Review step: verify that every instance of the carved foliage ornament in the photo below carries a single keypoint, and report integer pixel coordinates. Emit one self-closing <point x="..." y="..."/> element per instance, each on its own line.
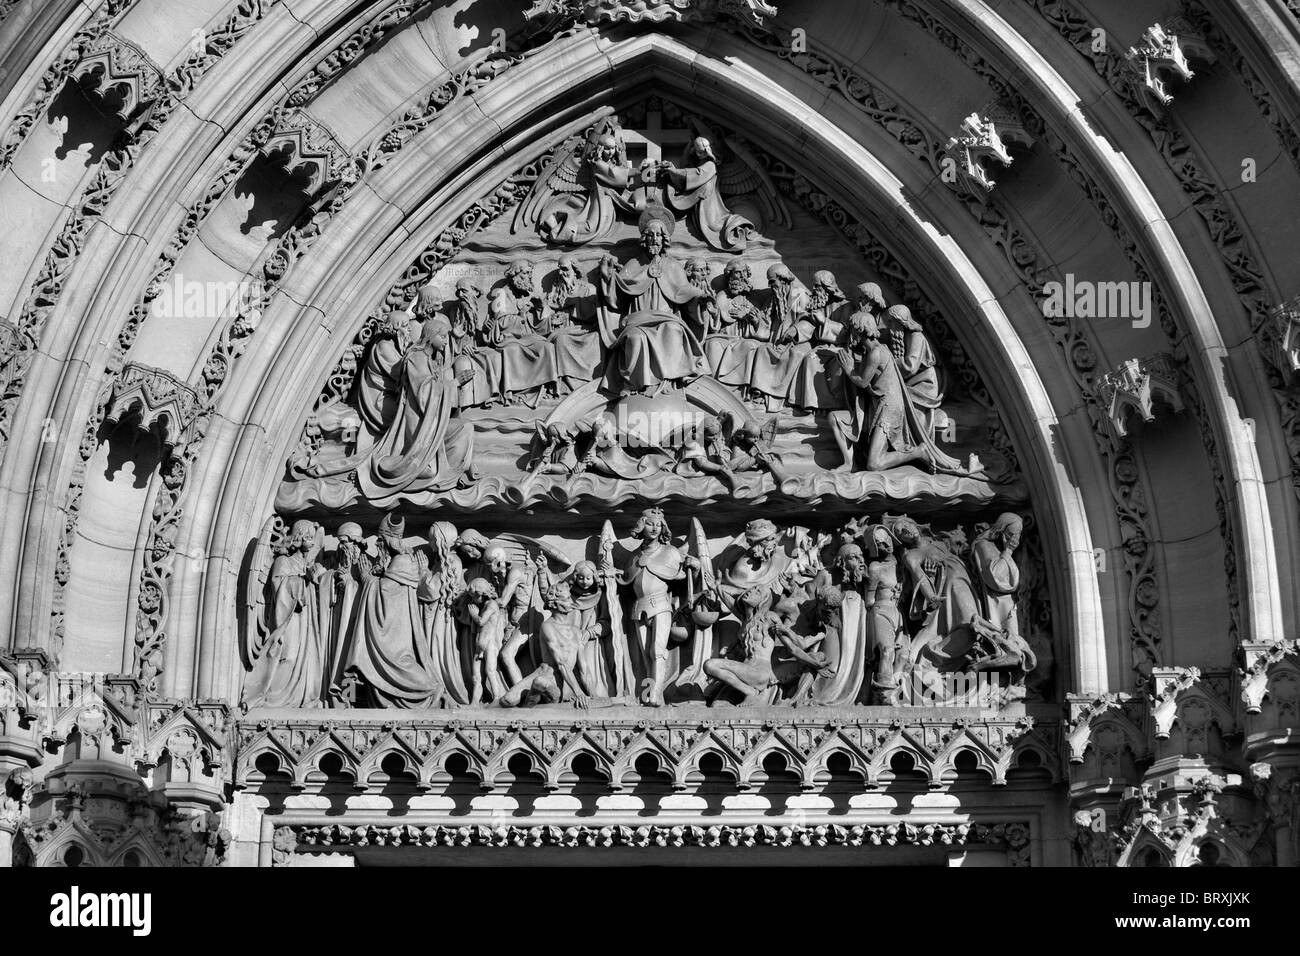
<point x="595" y="12"/>
<point x="1013" y="837"/>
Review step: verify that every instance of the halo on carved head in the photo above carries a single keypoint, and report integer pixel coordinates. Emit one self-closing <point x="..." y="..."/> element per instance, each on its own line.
<point x="657" y="213"/>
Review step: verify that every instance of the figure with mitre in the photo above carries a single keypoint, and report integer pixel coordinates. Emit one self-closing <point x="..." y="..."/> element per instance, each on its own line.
<point x="389" y="658"/>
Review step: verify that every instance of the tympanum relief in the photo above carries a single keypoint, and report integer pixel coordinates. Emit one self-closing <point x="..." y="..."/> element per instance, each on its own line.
<point x="657" y="438"/>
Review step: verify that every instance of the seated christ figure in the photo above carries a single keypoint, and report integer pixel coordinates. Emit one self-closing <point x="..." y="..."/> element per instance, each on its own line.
<point x="653" y="346"/>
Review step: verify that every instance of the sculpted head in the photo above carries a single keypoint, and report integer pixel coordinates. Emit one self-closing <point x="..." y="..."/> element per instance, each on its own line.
<point x="656" y="225"/>
<point x="520" y="275"/>
<point x="900" y="316"/>
<point x="869" y="297"/>
<point x="585" y="577"/>
<point x="606" y="148"/>
<point x="471" y="545"/>
<point x="497" y="560"/>
<point x="1007" y="530"/>
<point x="779" y="274"/>
<point x="824" y="283"/>
<point x="739" y="277"/>
<point x="829" y="601"/>
<point x="907" y="531"/>
<point x="480" y="591"/>
<point x="760" y="539"/>
<point x="559" y="598"/>
<point x="427" y="300"/>
<point x="467" y="288"/>
<point x="697" y="270"/>
<point x="302" y="535"/>
<point x="700" y="150"/>
<point x="652" y="526"/>
<point x="568" y="268"/>
<point x="864" y="325"/>
<point x="851" y="563"/>
<point x="435" y="333"/>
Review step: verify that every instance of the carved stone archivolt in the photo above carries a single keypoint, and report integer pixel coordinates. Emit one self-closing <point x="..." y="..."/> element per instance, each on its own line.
<point x="654" y="451"/>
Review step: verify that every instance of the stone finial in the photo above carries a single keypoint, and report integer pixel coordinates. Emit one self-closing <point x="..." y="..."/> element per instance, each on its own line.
<point x="1135" y="385"/>
<point x="978" y="140"/>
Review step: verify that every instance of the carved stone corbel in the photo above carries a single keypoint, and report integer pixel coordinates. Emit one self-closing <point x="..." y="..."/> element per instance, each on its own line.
<point x="186" y="749"/>
<point x="159" y="402"/>
<point x="978" y="140"/>
<point x="1134" y="387"/>
<point x="1259" y="660"/>
<point x="1284" y="321"/>
<point x="1082" y="712"/>
<point x="115" y="65"/>
<point x="1157" y="57"/>
<point x="309" y="148"/>
<point x="1167" y="684"/>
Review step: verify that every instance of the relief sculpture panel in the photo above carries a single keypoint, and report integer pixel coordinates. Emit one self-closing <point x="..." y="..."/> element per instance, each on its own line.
<point x="656" y="437"/>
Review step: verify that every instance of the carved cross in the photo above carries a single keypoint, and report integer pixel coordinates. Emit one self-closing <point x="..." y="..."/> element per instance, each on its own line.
<point x="647" y="143"/>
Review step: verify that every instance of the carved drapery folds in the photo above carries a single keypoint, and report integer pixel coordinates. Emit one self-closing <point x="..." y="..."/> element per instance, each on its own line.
<point x="157" y="402"/>
<point x="1135" y="386"/>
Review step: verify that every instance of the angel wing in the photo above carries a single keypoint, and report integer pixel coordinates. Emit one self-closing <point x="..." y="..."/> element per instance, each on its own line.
<point x="254" y="596"/>
<point x="767" y="434"/>
<point x="562" y="175"/>
<point x="740" y="174"/>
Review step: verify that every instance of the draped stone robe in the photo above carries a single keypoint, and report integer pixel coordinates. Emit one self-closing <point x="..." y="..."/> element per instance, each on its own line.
<point x="390" y="654"/>
<point x="424" y="449"/>
<point x="653" y="343"/>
